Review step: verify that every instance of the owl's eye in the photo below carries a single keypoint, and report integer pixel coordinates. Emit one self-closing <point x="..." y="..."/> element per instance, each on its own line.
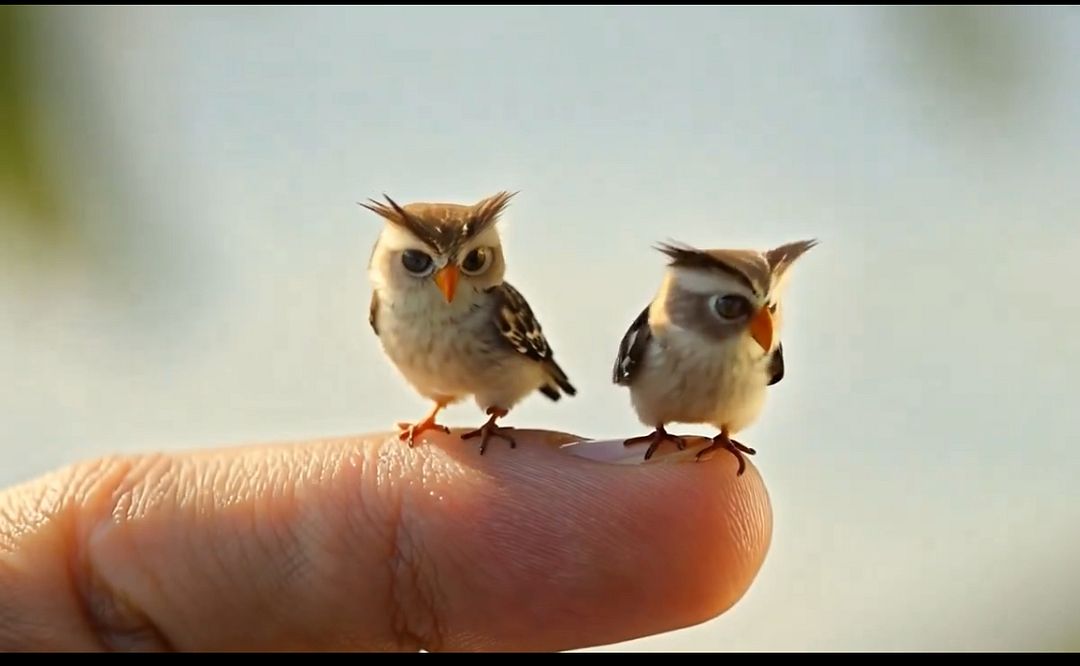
<point x="731" y="307"/>
<point x="417" y="262"/>
<point x="476" y="262"/>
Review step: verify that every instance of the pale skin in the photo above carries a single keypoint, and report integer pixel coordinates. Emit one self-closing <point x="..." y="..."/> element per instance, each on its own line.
<point x="363" y="543"/>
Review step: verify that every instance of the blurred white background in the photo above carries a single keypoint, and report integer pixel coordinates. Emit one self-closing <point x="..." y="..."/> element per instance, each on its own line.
<point x="182" y="261"/>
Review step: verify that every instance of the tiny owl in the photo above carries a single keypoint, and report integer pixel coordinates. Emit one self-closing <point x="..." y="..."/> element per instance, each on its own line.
<point x="707" y="347"/>
<point x="447" y="318"/>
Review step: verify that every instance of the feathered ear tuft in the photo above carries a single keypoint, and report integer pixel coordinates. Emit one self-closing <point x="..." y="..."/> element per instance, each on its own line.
<point x="392" y="213"/>
<point x="486" y="212"/>
<point x="747" y="267"/>
<point x="682" y="254"/>
<point x="781" y="258"/>
<point x="398" y="216"/>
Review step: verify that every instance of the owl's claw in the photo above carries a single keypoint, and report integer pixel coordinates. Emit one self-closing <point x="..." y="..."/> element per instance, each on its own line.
<point x="722" y="441"/>
<point x="655" y="439"/>
<point x="409" y="431"/>
<point x="745" y="449"/>
<point x="489" y="430"/>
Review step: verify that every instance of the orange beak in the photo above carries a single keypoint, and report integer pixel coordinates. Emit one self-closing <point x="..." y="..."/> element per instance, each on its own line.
<point x="446" y="279"/>
<point x="761" y="328"/>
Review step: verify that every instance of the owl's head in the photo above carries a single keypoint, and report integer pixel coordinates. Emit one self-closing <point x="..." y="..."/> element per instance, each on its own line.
<point x="448" y="250"/>
<point x="729" y="296"/>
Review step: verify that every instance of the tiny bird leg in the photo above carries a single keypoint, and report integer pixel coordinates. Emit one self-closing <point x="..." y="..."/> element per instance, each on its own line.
<point x="745" y="449"/>
<point x="409" y="431"/>
<point x="489" y="430"/>
<point x="655" y="439"/>
<point x="722" y="441"/>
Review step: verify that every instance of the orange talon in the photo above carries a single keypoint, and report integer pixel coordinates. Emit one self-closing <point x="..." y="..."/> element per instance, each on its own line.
<point x="409" y="431"/>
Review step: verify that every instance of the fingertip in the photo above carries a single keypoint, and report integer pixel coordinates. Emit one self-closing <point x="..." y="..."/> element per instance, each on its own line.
<point x="703" y="529"/>
<point x="603" y="552"/>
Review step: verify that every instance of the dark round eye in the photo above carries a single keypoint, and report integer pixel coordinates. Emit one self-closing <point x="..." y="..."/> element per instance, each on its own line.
<point x="416" y="262"/>
<point x="476" y="261"/>
<point x="731" y="306"/>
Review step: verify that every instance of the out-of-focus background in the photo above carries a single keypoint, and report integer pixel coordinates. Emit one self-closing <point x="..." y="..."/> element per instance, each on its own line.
<point x="182" y="260"/>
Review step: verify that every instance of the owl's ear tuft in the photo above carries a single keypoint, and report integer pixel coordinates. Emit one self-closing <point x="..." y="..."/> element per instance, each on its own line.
<point x="390" y="211"/>
<point x="487" y="211"/>
<point x="781" y="258"/>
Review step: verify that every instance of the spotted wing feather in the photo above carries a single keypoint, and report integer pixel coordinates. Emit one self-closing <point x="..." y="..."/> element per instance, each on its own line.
<point x="373" y="312"/>
<point x="632" y="349"/>
<point x="519" y="329"/>
<point x="776" y="366"/>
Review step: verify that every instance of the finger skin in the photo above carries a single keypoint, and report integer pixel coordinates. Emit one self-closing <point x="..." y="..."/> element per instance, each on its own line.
<point x="366" y="544"/>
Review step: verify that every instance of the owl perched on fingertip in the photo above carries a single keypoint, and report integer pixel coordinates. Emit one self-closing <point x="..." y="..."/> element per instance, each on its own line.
<point x="707" y="347"/>
<point x="447" y="318"/>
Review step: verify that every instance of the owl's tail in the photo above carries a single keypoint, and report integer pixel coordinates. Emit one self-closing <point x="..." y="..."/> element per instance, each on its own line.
<point x="560" y="380"/>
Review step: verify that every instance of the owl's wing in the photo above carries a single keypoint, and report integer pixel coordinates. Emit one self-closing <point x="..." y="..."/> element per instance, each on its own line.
<point x="373" y="312"/>
<point x="519" y="329"/>
<point x="632" y="349"/>
<point x="776" y="365"/>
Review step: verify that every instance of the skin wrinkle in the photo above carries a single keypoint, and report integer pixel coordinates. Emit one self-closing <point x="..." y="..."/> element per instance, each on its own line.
<point x="320" y="540"/>
<point x="747" y="533"/>
<point x="519" y="551"/>
<point x="34" y="576"/>
<point x="128" y="502"/>
<point x="254" y="496"/>
<point x="156" y="489"/>
<point x="391" y="503"/>
<point x="290" y="530"/>
<point x="273" y="513"/>
<point x="437" y="479"/>
<point x="115" y="620"/>
<point x="26" y="508"/>
<point x="266" y="510"/>
<point x="243" y="485"/>
<point x="198" y="477"/>
<point x="379" y="512"/>
<point x="179" y="490"/>
<point x="402" y="577"/>
<point x="140" y="499"/>
<point x="413" y="614"/>
<point x="285" y="530"/>
<point x="16" y="519"/>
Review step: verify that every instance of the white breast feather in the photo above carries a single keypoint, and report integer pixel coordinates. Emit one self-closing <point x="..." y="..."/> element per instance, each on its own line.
<point x="450" y="352"/>
<point x="685" y="379"/>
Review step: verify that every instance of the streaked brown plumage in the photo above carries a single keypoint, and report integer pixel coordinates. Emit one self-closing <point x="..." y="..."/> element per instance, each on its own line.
<point x="447" y="318"/>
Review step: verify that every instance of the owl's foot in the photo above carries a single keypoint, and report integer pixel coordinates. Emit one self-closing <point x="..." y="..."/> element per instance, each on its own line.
<point x="489" y="430"/>
<point x="409" y="431"/>
<point x="722" y="441"/>
<point x="655" y="439"/>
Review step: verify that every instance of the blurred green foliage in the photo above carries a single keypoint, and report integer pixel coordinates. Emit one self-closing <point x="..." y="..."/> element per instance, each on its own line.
<point x="24" y="178"/>
<point x="972" y="56"/>
<point x="49" y="157"/>
<point x="970" y="70"/>
<point x="979" y="51"/>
